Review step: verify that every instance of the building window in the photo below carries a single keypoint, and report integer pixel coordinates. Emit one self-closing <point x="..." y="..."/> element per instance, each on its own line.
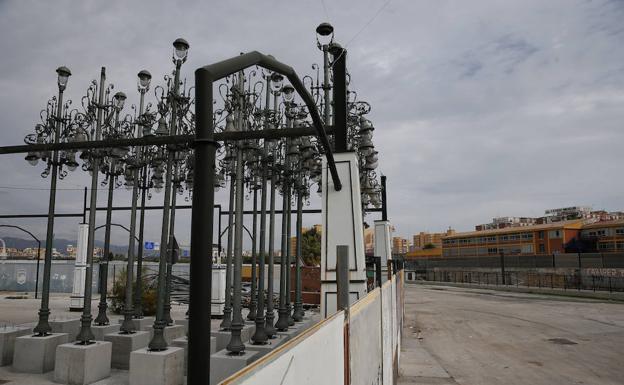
<point x="619" y="231"/>
<point x="492" y="250"/>
<point x="542" y="248"/>
<point x="541" y="234"/>
<point x="554" y="234"/>
<point x="606" y="246"/>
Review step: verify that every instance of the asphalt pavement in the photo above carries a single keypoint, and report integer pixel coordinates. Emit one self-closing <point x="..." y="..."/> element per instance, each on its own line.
<point x="474" y="336"/>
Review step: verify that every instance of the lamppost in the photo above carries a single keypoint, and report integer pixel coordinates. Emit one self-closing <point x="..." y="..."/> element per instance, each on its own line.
<point x="324" y="37"/>
<point x="180" y="54"/>
<point x="114" y="129"/>
<point x="276" y="82"/>
<point x="134" y="164"/>
<point x="260" y="336"/>
<point x="140" y="181"/>
<point x="51" y="131"/>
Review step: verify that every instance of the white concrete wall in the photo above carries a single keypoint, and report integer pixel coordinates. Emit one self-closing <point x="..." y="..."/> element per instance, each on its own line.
<point x="317" y="356"/>
<point x="314" y="357"/>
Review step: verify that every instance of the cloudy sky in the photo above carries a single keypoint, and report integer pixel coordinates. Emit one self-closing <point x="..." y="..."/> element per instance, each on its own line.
<point x="481" y="108"/>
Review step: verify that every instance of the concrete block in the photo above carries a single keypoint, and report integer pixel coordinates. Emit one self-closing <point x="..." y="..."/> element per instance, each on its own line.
<point x="171" y="332"/>
<point x="222" y="337"/>
<point x="82" y="364"/>
<point x="36" y="354"/>
<point x="223" y="365"/>
<point x="248" y="331"/>
<point x="7" y="342"/>
<point x="69" y="326"/>
<point x="183" y="322"/>
<point x="141" y="324"/>
<point x="100" y="331"/>
<point x="268" y="347"/>
<point x="157" y="368"/>
<point x="183" y="343"/>
<point x="288" y="334"/>
<point x="124" y="344"/>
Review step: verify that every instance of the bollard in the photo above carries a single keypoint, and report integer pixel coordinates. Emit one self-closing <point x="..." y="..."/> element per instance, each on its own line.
<point x="342" y="276"/>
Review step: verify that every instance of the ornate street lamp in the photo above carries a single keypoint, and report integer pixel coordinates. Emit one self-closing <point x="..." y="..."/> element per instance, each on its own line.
<point x="51" y="130"/>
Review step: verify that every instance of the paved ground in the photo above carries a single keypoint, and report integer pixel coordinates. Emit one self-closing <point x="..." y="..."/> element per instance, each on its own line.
<point x="474" y="336"/>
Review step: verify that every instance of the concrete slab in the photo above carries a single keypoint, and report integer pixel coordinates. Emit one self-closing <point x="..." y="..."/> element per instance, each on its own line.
<point x="222" y="337"/>
<point x="124" y="344"/>
<point x="82" y="364"/>
<point x="141" y="324"/>
<point x="157" y="368"/>
<point x="288" y="334"/>
<point x="7" y="342"/>
<point x="70" y="326"/>
<point x="183" y="343"/>
<point x="223" y="365"/>
<point x="100" y="331"/>
<point x="183" y="322"/>
<point x="37" y="354"/>
<point x="171" y="332"/>
<point x="264" y="349"/>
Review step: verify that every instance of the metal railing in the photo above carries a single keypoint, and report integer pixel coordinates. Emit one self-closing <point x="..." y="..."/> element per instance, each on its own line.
<point x="565" y="281"/>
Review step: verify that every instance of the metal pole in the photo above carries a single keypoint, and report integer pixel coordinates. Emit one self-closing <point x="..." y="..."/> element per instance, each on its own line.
<point x="86" y="335"/>
<point x="282" y="321"/>
<point x="227" y="308"/>
<point x="291" y="321"/>
<point x="137" y="311"/>
<point x="326" y="86"/>
<point x="260" y="336"/>
<point x="342" y="276"/>
<point x="502" y="261"/>
<point x="101" y="318"/>
<point x="378" y="271"/>
<point x="138" y="296"/>
<point x="340" y="97"/>
<point x="43" y="327"/>
<point x="252" y="303"/>
<point x="298" y="313"/>
<point x="236" y="346"/>
<point x="167" y="308"/>
<point x="201" y="235"/>
<point x="270" y="314"/>
<point x="158" y="342"/>
<point x="384" y="202"/>
<point x="37" y="279"/>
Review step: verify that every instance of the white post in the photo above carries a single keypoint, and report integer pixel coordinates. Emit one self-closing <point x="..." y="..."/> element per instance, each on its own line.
<point x="76" y="301"/>
<point x="383" y="244"/>
<point x="342" y="225"/>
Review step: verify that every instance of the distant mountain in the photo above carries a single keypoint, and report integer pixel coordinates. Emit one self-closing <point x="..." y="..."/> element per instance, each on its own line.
<point x="59" y="243"/>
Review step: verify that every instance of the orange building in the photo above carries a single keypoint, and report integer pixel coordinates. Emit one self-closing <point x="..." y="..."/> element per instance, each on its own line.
<point x="604" y="236"/>
<point x="537" y="239"/>
<point x="426" y="253"/>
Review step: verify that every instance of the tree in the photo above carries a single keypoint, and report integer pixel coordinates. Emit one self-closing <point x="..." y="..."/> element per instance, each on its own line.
<point x="311" y="247"/>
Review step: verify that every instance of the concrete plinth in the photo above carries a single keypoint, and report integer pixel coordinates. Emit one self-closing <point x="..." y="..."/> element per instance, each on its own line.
<point x="124" y="344"/>
<point x="266" y="348"/>
<point x="183" y="343"/>
<point x="223" y="365"/>
<point x="157" y="368"/>
<point x="141" y="324"/>
<point x="7" y="343"/>
<point x="222" y="337"/>
<point x="171" y="332"/>
<point x="69" y="326"/>
<point x="36" y="354"/>
<point x="288" y="334"/>
<point x="82" y="364"/>
<point x="183" y="322"/>
<point x="100" y="331"/>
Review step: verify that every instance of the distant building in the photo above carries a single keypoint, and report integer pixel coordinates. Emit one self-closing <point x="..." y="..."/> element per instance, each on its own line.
<point x="603" y="236"/>
<point x="426" y="253"/>
<point x="423" y="239"/>
<point x="400" y="245"/>
<point x="550" y="238"/>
